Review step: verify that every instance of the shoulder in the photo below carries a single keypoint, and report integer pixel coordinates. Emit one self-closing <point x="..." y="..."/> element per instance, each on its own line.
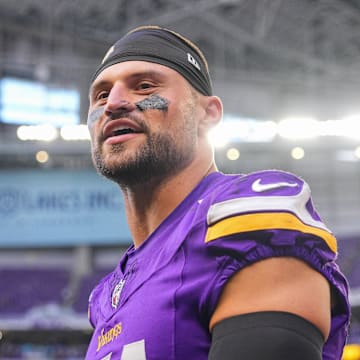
<point x="264" y="201"/>
<point x="244" y="190"/>
<point x="267" y="183"/>
<point x="236" y="189"/>
<point x="274" y="181"/>
<point x="265" y="223"/>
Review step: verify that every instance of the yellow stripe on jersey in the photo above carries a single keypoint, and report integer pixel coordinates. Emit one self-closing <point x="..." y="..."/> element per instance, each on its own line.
<point x="295" y="204"/>
<point x="266" y="221"/>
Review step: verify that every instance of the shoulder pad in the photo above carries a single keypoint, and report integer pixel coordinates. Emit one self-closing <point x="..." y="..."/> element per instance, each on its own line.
<point x="263" y="201"/>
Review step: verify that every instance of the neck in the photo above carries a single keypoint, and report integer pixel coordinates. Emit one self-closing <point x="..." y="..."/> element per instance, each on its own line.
<point x="147" y="205"/>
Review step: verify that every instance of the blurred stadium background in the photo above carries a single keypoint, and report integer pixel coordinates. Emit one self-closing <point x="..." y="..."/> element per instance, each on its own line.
<point x="289" y="75"/>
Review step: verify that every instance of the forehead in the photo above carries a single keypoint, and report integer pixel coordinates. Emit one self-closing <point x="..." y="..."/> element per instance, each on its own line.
<point x="133" y="69"/>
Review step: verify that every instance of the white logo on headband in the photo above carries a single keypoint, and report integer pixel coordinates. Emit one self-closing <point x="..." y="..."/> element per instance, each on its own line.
<point x="107" y="54"/>
<point x="192" y="61"/>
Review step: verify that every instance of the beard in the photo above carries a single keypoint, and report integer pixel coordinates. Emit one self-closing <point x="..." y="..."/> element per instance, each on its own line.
<point x="161" y="156"/>
<point x="157" y="159"/>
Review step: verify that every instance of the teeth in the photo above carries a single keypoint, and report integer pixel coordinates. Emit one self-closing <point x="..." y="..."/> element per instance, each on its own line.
<point x="123" y="131"/>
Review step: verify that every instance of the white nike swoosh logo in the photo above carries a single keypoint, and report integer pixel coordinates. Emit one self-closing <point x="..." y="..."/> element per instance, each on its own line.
<point x="258" y="187"/>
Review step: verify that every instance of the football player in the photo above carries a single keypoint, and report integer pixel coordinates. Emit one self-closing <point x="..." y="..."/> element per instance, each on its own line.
<point x="221" y="266"/>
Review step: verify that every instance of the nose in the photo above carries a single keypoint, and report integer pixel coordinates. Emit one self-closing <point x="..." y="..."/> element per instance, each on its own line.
<point x="118" y="101"/>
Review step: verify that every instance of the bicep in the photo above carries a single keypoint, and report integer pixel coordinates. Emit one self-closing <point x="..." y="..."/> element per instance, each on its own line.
<point x="277" y="284"/>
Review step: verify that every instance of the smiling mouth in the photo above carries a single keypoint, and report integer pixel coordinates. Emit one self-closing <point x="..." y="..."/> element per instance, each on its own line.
<point x="124" y="132"/>
<point x="122" y="129"/>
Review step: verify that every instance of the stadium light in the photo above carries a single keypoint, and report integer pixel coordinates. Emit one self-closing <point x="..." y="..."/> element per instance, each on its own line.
<point x="42" y="156"/>
<point x="262" y="131"/>
<point x="239" y="129"/>
<point x="233" y="154"/>
<point x="298" y="128"/>
<point x="357" y="152"/>
<point x="297" y="153"/>
<point x="37" y="132"/>
<point x="75" y="132"/>
<point x="350" y="126"/>
<point x="218" y="136"/>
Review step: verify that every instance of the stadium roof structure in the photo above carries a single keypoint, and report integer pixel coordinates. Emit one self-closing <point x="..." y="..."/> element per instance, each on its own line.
<point x="275" y="49"/>
<point x="270" y="59"/>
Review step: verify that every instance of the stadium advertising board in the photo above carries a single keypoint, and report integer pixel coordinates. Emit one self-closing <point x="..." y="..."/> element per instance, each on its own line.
<point x="60" y="208"/>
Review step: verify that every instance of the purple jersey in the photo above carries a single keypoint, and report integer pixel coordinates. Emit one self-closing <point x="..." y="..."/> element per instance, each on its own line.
<point x="158" y="302"/>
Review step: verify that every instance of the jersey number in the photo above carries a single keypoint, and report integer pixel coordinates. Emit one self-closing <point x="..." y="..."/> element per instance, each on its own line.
<point x="132" y="351"/>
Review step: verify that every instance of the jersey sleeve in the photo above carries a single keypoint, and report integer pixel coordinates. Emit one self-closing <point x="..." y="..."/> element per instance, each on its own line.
<point x="271" y="214"/>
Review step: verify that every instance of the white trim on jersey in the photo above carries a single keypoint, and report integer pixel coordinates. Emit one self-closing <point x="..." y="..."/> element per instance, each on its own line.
<point x="295" y="204"/>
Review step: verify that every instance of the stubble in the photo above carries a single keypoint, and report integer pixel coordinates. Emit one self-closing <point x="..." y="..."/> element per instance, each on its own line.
<point x="159" y="157"/>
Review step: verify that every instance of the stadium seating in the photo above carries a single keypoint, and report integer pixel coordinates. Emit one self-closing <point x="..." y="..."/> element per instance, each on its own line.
<point x="23" y="289"/>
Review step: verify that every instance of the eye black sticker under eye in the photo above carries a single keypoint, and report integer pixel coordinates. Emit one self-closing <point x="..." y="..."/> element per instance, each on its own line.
<point x="94" y="116"/>
<point x="153" y="102"/>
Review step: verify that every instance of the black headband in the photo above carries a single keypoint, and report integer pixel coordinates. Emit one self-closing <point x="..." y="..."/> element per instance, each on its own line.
<point x="161" y="46"/>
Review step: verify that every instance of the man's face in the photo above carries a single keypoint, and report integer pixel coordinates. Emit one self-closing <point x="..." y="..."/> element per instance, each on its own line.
<point x="142" y="121"/>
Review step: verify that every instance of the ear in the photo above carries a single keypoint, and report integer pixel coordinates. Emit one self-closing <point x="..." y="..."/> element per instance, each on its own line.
<point x="213" y="113"/>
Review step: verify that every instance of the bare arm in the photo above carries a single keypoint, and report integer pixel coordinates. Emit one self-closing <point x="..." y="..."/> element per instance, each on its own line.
<point x="277" y="284"/>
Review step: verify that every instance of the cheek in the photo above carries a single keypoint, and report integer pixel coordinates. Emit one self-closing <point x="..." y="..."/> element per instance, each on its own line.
<point x="94" y="116"/>
<point x="153" y="102"/>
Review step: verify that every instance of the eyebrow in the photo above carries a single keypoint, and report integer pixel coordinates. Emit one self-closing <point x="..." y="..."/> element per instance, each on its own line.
<point x="98" y="85"/>
<point x="134" y="76"/>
